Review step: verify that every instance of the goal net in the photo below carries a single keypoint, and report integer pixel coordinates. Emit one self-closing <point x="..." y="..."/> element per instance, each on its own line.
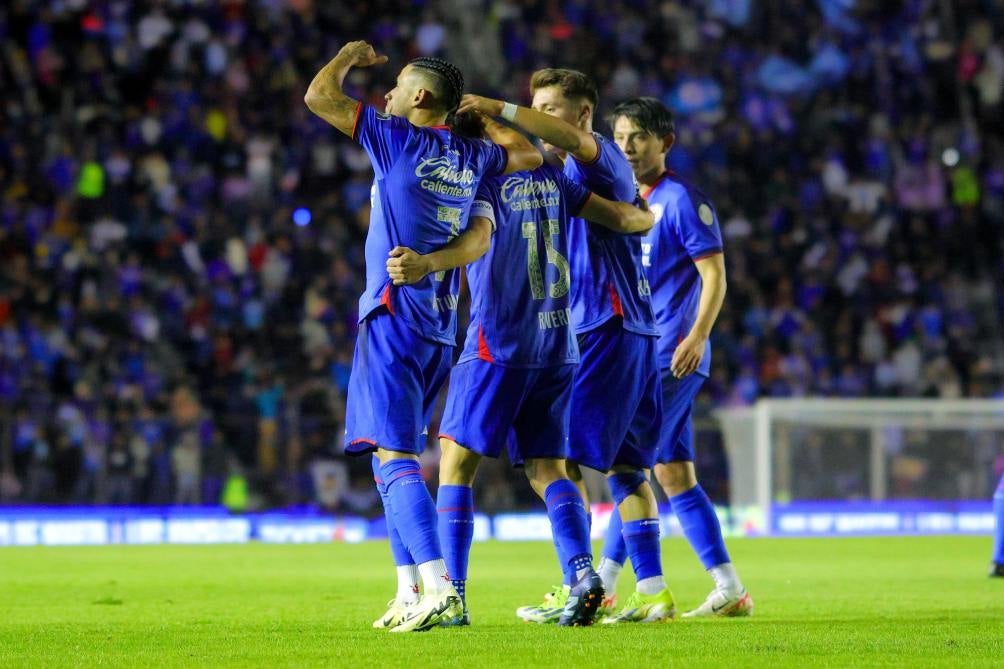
<point x="804" y="466"/>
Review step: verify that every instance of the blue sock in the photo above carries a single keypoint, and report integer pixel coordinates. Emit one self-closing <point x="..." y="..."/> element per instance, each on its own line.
<point x="567" y="575"/>
<point x="700" y="525"/>
<point x="999" y="524"/>
<point x="455" y="504"/>
<point x="642" y="539"/>
<point x="413" y="510"/>
<point x="570" y="527"/>
<point x="401" y="555"/>
<point x="614" y="547"/>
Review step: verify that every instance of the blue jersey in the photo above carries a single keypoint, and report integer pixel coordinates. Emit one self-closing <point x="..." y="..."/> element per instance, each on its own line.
<point x="426" y="179"/>
<point x="520" y="309"/>
<point x="608" y="279"/>
<point x="686" y="230"/>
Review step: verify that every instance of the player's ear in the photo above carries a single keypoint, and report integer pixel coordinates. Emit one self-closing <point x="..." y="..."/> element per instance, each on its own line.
<point x="668" y="141"/>
<point x="422" y="98"/>
<point x="585" y="114"/>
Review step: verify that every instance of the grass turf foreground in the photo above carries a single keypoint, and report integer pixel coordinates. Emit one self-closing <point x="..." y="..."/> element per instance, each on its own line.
<point x="909" y="601"/>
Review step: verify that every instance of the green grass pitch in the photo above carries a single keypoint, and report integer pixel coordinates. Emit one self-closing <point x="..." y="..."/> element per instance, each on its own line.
<point x="917" y="602"/>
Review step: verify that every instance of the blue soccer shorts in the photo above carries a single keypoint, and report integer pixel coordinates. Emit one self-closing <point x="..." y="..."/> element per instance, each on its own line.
<point x="396" y="376"/>
<point x="676" y="443"/>
<point x="616" y="402"/>
<point x="490" y="408"/>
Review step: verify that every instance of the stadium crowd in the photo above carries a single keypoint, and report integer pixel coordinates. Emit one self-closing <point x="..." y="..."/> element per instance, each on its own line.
<point x="182" y="242"/>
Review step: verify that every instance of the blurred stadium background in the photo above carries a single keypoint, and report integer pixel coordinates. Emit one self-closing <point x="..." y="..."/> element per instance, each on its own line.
<point x="182" y="250"/>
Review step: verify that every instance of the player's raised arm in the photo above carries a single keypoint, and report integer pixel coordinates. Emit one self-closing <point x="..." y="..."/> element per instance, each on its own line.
<point x="325" y="96"/>
<point x="405" y="266"/>
<point x="617" y="216"/>
<point x="523" y="155"/>
<point x="551" y="129"/>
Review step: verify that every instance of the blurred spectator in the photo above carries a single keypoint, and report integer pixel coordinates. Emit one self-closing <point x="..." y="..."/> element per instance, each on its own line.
<point x="165" y="325"/>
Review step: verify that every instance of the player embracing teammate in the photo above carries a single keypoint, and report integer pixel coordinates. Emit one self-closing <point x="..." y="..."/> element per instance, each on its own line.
<point x="615" y="404"/>
<point x="517" y="371"/>
<point x="426" y="177"/>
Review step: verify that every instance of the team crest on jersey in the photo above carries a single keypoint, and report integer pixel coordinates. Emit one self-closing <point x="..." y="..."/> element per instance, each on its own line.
<point x="705" y="214"/>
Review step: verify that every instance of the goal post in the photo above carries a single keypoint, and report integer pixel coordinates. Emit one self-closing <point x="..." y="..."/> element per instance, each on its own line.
<point x="784" y="452"/>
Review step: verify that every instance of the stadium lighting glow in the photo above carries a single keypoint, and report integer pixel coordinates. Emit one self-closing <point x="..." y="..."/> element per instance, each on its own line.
<point x="950" y="157"/>
<point x="301" y="217"/>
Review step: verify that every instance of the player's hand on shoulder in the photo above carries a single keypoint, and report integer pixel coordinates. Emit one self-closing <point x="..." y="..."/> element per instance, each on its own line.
<point x="405" y="266"/>
<point x="362" y="54"/>
<point x="477" y="103"/>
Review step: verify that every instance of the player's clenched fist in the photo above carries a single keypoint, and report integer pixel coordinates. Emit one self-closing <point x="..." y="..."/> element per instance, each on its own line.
<point x="361" y="54"/>
<point x="486" y="106"/>
<point x="405" y="266"/>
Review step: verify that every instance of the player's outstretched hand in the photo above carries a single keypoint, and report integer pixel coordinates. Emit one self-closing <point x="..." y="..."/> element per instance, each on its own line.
<point x="476" y="103"/>
<point x="687" y="357"/>
<point x="404" y="266"/>
<point x="361" y="54"/>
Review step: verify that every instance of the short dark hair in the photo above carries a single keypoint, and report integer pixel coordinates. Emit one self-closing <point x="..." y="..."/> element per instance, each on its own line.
<point x="448" y="78"/>
<point x="573" y="84"/>
<point x="650" y="114"/>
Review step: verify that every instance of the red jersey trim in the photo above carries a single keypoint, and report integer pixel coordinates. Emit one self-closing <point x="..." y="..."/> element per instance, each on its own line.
<point x="355" y="121"/>
<point x="362" y="441"/>
<point x="483" y="351"/>
<point x="662" y="177"/>
<point x="709" y="254"/>
<point x="596" y="158"/>
<point x="440" y="127"/>
<point x="615" y="299"/>
<point x="385" y="300"/>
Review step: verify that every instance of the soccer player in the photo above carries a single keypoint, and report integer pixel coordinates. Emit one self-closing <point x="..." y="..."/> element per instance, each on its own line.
<point x="615" y="399"/>
<point x="426" y="178"/>
<point x="513" y="382"/>
<point x="686" y="267"/>
<point x="997" y="566"/>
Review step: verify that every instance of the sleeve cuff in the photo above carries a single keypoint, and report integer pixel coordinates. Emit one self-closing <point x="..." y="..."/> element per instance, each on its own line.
<point x="505" y="161"/>
<point x="483" y="209"/>
<point x="596" y="158"/>
<point x="706" y="254"/>
<point x="355" y="122"/>
<point x="583" y="205"/>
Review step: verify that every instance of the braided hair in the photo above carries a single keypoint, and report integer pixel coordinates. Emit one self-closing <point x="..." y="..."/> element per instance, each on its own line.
<point x="448" y="74"/>
<point x="452" y="79"/>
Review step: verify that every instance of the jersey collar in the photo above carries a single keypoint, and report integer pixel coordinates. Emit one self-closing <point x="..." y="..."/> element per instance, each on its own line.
<point x="662" y="177"/>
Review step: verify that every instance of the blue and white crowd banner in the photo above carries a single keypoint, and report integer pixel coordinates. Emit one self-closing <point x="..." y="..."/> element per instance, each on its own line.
<point x="81" y="526"/>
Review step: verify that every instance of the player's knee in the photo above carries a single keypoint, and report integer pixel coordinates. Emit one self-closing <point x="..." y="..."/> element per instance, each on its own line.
<point x="676" y="478"/>
<point x="542" y="472"/>
<point x="457" y="465"/>
<point x="623" y="484"/>
<point x="385" y="456"/>
<point x="573" y="471"/>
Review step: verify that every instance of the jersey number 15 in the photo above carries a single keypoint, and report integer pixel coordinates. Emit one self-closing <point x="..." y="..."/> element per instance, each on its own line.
<point x="558" y="288"/>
